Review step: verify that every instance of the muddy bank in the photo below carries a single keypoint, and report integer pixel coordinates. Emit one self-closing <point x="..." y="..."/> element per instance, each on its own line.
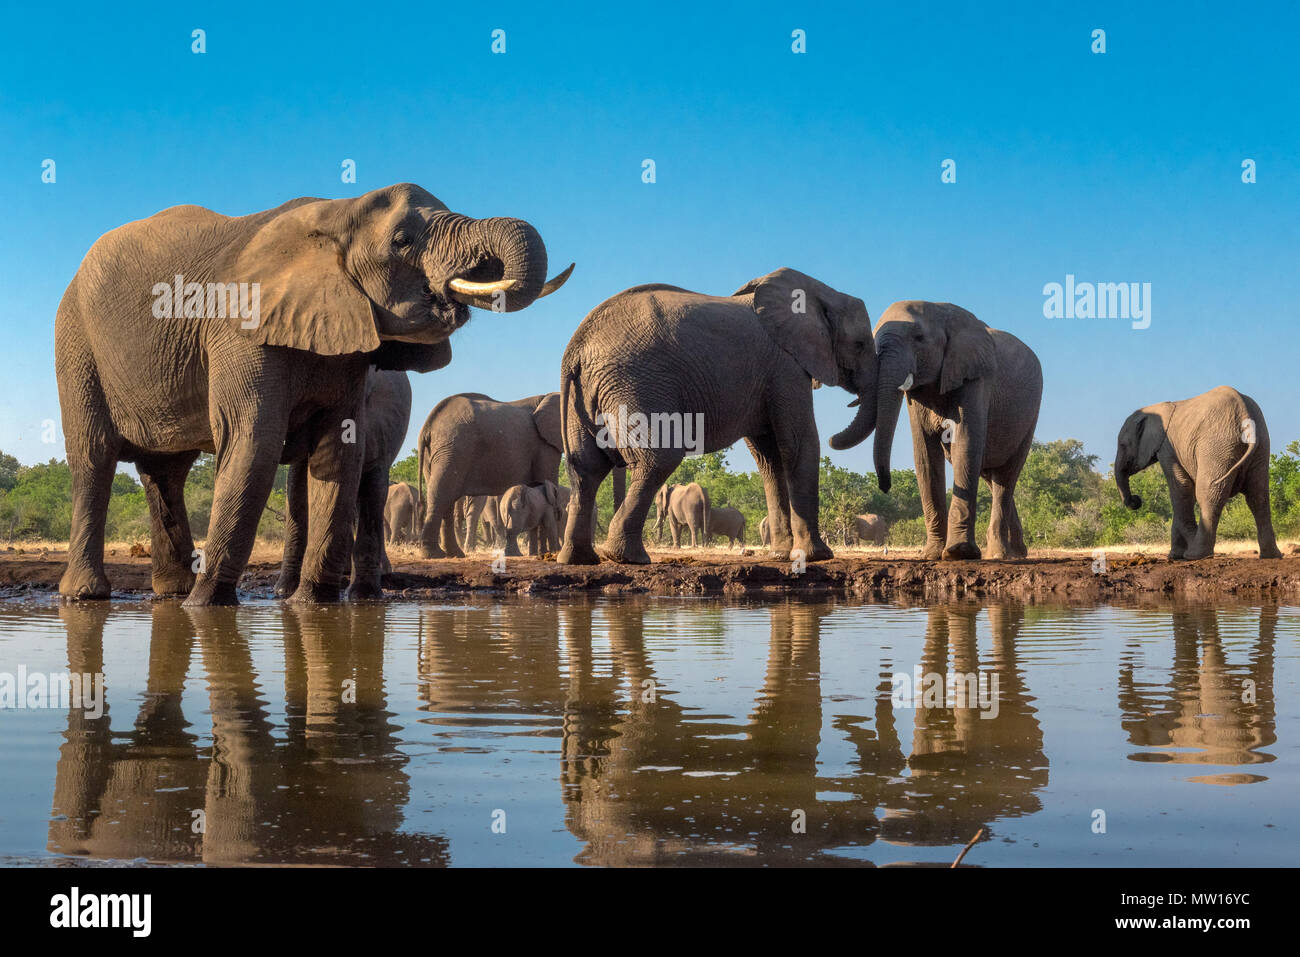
<point x="1057" y="579"/>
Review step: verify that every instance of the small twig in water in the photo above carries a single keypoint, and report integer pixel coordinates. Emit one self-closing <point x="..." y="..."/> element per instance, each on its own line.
<point x="969" y="845"/>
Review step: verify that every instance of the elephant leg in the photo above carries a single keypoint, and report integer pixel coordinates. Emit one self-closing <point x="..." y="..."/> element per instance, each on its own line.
<point x="587" y="467"/>
<point x="449" y="544"/>
<point x="368" y="555"/>
<point x="624" y="542"/>
<point x="333" y="485"/>
<point x="472" y="515"/>
<point x="163" y="478"/>
<point x="512" y="543"/>
<point x="295" y="530"/>
<point x="967" y="455"/>
<point x="768" y="459"/>
<point x="1212" y="500"/>
<point x="248" y="449"/>
<point x="92" y="484"/>
<point x="800" y="458"/>
<point x="1009" y="541"/>
<point x="1257" y="499"/>
<point x="534" y="546"/>
<point x="1182" y="497"/>
<point x="927" y="450"/>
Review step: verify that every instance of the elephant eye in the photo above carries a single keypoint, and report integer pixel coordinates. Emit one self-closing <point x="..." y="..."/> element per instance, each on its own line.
<point x="401" y="240"/>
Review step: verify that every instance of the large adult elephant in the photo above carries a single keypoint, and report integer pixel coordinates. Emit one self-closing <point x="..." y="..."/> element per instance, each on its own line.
<point x="471" y="444"/>
<point x="1210" y="447"/>
<point x="251" y="337"/>
<point x="972" y="398"/>
<point x="387" y="414"/>
<point x="401" y="514"/>
<point x="739" y="366"/>
<point x="684" y="506"/>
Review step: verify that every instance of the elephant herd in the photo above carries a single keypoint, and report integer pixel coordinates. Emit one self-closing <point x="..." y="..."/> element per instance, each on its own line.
<point x="285" y="337"/>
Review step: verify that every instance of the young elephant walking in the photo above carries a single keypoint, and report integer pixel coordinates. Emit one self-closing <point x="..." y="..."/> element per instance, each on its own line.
<point x="1211" y="447"/>
<point x="972" y="398"/>
<point x="655" y="359"/>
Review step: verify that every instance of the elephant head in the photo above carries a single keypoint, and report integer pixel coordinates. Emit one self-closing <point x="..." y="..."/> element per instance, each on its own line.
<point x="392" y="272"/>
<point x="828" y="333"/>
<point x="922" y="344"/>
<point x="1140" y="439"/>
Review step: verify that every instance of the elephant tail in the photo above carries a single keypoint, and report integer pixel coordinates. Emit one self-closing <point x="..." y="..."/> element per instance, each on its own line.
<point x="419" y="472"/>
<point x="1228" y="475"/>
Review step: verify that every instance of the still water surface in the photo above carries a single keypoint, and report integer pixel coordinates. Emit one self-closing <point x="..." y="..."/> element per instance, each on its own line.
<point x="655" y="731"/>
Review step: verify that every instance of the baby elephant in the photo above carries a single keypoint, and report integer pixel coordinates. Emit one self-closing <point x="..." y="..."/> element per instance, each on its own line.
<point x="533" y="509"/>
<point x="726" y="523"/>
<point x="1211" y="448"/>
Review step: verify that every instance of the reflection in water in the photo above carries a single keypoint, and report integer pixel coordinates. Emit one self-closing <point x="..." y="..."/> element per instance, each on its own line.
<point x="1214" y="712"/>
<point x="332" y="793"/>
<point x="646" y="731"/>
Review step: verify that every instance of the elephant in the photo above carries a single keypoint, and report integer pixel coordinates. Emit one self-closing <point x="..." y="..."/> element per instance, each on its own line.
<point x="532" y="509"/>
<point x="402" y="514"/>
<point x="251" y="337"/>
<point x="739" y="366"/>
<point x="764" y="532"/>
<point x="485" y="508"/>
<point x="1211" y="447"/>
<point x="471" y="444"/>
<point x="972" y="397"/>
<point x="685" y="506"/>
<point x="387" y="415"/>
<point x="726" y="523"/>
<point x="871" y="528"/>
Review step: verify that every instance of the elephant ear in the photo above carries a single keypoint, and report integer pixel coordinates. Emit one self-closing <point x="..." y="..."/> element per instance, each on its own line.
<point x="970" y="352"/>
<point x="1150" y="435"/>
<point x="307" y="300"/>
<point x="410" y="356"/>
<point x="546" y="418"/>
<point x="552" y="494"/>
<point x="793" y="308"/>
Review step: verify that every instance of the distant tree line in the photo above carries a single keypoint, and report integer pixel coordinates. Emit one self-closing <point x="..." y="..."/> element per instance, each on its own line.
<point x="1063" y="501"/>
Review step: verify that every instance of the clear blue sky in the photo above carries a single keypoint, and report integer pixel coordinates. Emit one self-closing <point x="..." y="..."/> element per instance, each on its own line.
<point x="1119" y="167"/>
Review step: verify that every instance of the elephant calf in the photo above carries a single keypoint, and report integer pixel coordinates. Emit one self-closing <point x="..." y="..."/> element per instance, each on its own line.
<point x="871" y="528"/>
<point x="685" y="506"/>
<point x="1211" y="448"/>
<point x="534" y="509"/>
<point x="402" y="514"/>
<point x="726" y="523"/>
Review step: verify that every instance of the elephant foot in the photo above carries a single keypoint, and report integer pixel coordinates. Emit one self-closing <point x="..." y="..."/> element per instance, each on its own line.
<point x="432" y="551"/>
<point x="1273" y="552"/>
<point x="315" y="593"/>
<point x="1192" y="556"/>
<point x="174" y="583"/>
<point x="454" y="551"/>
<point x="365" y="591"/>
<point x="1177" y="557"/>
<point x="778" y="554"/>
<point x="286" y="586"/>
<point x="206" y="594"/>
<point x="961" y="552"/>
<point x="933" y="551"/>
<point x="627" y="553"/>
<point x="816" y="552"/>
<point x="84" y="585"/>
<point x="574" y="554"/>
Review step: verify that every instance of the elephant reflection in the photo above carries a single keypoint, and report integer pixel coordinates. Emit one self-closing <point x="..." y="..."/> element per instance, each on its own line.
<point x="326" y="788"/>
<point x="1213" y="712"/>
<point x="969" y="766"/>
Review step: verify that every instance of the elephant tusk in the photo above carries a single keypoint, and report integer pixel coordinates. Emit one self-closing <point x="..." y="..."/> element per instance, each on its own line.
<point x="557" y="282"/>
<point x="855" y="402"/>
<point x="907" y="383"/>
<point x="470" y="292"/>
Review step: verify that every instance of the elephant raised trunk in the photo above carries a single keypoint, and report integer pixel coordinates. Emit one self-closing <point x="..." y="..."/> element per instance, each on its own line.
<point x="511" y="272"/>
<point x="895" y="374"/>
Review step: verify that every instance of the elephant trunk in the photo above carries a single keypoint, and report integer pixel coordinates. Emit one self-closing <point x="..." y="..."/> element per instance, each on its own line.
<point x="511" y="271"/>
<point x="895" y="373"/>
<point x="1131" y="501"/>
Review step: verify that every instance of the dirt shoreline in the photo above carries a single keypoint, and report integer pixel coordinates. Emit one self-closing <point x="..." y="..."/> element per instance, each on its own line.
<point x="27" y="576"/>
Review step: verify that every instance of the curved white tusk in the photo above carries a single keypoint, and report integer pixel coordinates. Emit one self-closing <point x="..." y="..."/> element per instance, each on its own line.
<point x="907" y="383"/>
<point x="482" y="290"/>
<point x="557" y="282"/>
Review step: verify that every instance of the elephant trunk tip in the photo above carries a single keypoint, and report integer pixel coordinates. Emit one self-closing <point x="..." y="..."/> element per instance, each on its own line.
<point x="884" y="480"/>
<point x="1133" y="502"/>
